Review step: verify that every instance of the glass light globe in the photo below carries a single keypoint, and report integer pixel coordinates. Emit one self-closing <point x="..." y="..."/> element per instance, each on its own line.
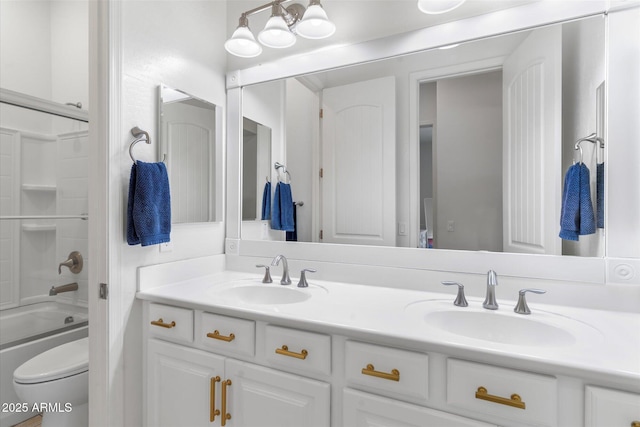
<point x="315" y="24"/>
<point x="434" y="7"/>
<point x="243" y="44"/>
<point x="276" y="33"/>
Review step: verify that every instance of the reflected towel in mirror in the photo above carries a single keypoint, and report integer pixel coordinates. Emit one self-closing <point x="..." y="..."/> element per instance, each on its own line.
<point x="600" y="194"/>
<point x="282" y="213"/>
<point x="576" y="218"/>
<point x="266" y="202"/>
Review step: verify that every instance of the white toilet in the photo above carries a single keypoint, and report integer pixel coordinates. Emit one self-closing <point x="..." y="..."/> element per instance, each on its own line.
<point x="57" y="381"/>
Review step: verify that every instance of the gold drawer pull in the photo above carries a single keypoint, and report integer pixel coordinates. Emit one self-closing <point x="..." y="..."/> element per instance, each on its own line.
<point x="161" y="323"/>
<point x="216" y="335"/>
<point x="370" y="370"/>
<point x="515" y="400"/>
<point x="285" y="352"/>
<point x="212" y="399"/>
<point x="635" y="423"/>
<point x="225" y="416"/>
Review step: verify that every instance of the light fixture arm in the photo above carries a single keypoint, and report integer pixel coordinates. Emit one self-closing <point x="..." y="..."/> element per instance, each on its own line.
<point x="273" y="5"/>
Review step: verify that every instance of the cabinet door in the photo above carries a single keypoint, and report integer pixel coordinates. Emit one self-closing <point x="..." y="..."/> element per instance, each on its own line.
<point x="367" y="410"/>
<point x="606" y="407"/>
<point x="263" y="397"/>
<point x="179" y="385"/>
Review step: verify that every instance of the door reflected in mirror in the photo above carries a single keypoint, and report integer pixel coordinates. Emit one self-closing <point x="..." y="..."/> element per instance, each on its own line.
<point x="190" y="140"/>
<point x="501" y="138"/>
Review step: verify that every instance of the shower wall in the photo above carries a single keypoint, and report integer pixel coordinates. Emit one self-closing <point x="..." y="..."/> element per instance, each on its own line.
<point x="44" y="51"/>
<point x="43" y="175"/>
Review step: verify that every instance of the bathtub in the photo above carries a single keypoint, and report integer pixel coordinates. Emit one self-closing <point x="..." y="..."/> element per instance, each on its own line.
<point x="26" y="332"/>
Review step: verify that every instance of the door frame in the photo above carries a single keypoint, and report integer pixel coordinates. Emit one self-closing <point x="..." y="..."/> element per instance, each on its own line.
<point x="415" y="79"/>
<point x="106" y="376"/>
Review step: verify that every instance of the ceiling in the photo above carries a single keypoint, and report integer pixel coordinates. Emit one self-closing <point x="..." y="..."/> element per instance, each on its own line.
<point x="356" y="21"/>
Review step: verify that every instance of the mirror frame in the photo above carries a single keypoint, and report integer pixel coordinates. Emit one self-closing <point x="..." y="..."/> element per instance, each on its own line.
<point x="621" y="263"/>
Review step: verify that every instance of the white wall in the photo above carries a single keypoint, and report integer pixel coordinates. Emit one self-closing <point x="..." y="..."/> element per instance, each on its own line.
<point x="264" y="104"/>
<point x="302" y="133"/>
<point x="178" y="44"/>
<point x="469" y="163"/>
<point x="583" y="70"/>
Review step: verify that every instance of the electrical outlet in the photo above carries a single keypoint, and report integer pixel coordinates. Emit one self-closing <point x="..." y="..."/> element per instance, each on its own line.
<point x="451" y="225"/>
<point x="402" y="229"/>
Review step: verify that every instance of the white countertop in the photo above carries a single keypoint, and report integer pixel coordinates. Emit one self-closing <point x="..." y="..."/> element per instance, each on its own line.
<point x="607" y="343"/>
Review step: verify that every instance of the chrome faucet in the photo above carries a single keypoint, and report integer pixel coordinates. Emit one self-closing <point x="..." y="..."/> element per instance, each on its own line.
<point x="522" y="307"/>
<point x="286" y="280"/>
<point x="55" y="290"/>
<point x="490" y="302"/>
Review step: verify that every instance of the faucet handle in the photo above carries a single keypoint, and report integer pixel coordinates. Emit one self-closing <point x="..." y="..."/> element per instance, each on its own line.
<point x="522" y="307"/>
<point x="73" y="263"/>
<point x="303" y="278"/>
<point x="267" y="274"/>
<point x="460" y="301"/>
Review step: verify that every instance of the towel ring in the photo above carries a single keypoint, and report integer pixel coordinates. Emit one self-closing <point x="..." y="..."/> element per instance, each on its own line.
<point x="140" y="135"/>
<point x="592" y="139"/>
<point x="279" y="165"/>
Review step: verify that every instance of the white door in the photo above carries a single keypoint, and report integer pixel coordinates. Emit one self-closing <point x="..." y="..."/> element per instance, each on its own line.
<point x="263" y="397"/>
<point x="189" y="143"/>
<point x="179" y="385"/>
<point x="367" y="410"/>
<point x="359" y="163"/>
<point x="532" y="105"/>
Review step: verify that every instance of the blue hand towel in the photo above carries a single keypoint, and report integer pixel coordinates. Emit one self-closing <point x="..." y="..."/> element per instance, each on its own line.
<point x="600" y="194"/>
<point x="576" y="216"/>
<point x="282" y="214"/>
<point x="266" y="201"/>
<point x="149" y="205"/>
<point x="292" y="236"/>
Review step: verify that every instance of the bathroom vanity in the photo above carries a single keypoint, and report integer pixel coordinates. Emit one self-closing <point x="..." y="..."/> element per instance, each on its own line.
<point x="227" y="349"/>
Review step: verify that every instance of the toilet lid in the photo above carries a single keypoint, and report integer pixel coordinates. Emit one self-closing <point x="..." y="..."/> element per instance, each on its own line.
<point x="59" y="362"/>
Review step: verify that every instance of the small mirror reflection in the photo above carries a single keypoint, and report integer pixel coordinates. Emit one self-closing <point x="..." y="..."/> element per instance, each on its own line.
<point x="188" y="138"/>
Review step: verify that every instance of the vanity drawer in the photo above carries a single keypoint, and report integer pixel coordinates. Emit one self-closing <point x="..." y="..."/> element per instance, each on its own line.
<point x="225" y="334"/>
<point x="604" y="407"/>
<point x="298" y="351"/>
<point x="491" y="390"/>
<point x="171" y="323"/>
<point x="388" y="371"/>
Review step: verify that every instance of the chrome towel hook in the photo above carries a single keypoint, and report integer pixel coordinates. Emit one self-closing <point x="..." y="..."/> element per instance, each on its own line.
<point x="140" y="135"/>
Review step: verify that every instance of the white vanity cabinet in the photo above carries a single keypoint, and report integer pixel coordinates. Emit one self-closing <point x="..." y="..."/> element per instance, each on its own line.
<point x="606" y="407"/>
<point x="239" y="370"/>
<point x="367" y="410"/>
<point x="187" y="386"/>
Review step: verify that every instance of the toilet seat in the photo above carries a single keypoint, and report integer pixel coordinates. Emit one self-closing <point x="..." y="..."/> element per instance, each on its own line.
<point x="59" y="362"/>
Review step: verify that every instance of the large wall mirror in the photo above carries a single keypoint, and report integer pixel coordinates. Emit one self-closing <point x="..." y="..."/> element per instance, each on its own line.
<point x="462" y="148"/>
<point x="190" y="141"/>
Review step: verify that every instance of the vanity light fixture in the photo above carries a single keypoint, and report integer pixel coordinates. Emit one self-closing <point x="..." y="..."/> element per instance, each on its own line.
<point x="434" y="7"/>
<point x="281" y="28"/>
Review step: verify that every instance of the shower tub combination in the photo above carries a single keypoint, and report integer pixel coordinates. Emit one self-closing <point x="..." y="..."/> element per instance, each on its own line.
<point x="26" y="332"/>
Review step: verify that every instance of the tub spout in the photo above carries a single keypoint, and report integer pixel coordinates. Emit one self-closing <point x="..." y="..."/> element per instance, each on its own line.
<point x="55" y="290"/>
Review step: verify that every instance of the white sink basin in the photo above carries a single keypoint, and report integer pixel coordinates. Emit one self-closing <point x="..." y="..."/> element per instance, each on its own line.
<point x="503" y="326"/>
<point x="266" y="294"/>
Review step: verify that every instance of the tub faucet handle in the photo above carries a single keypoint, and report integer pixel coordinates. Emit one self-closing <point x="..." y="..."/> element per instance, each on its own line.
<point x="73" y="263"/>
<point x="460" y="301"/>
<point x="522" y="307"/>
<point x="303" y="278"/>
<point x="267" y="273"/>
